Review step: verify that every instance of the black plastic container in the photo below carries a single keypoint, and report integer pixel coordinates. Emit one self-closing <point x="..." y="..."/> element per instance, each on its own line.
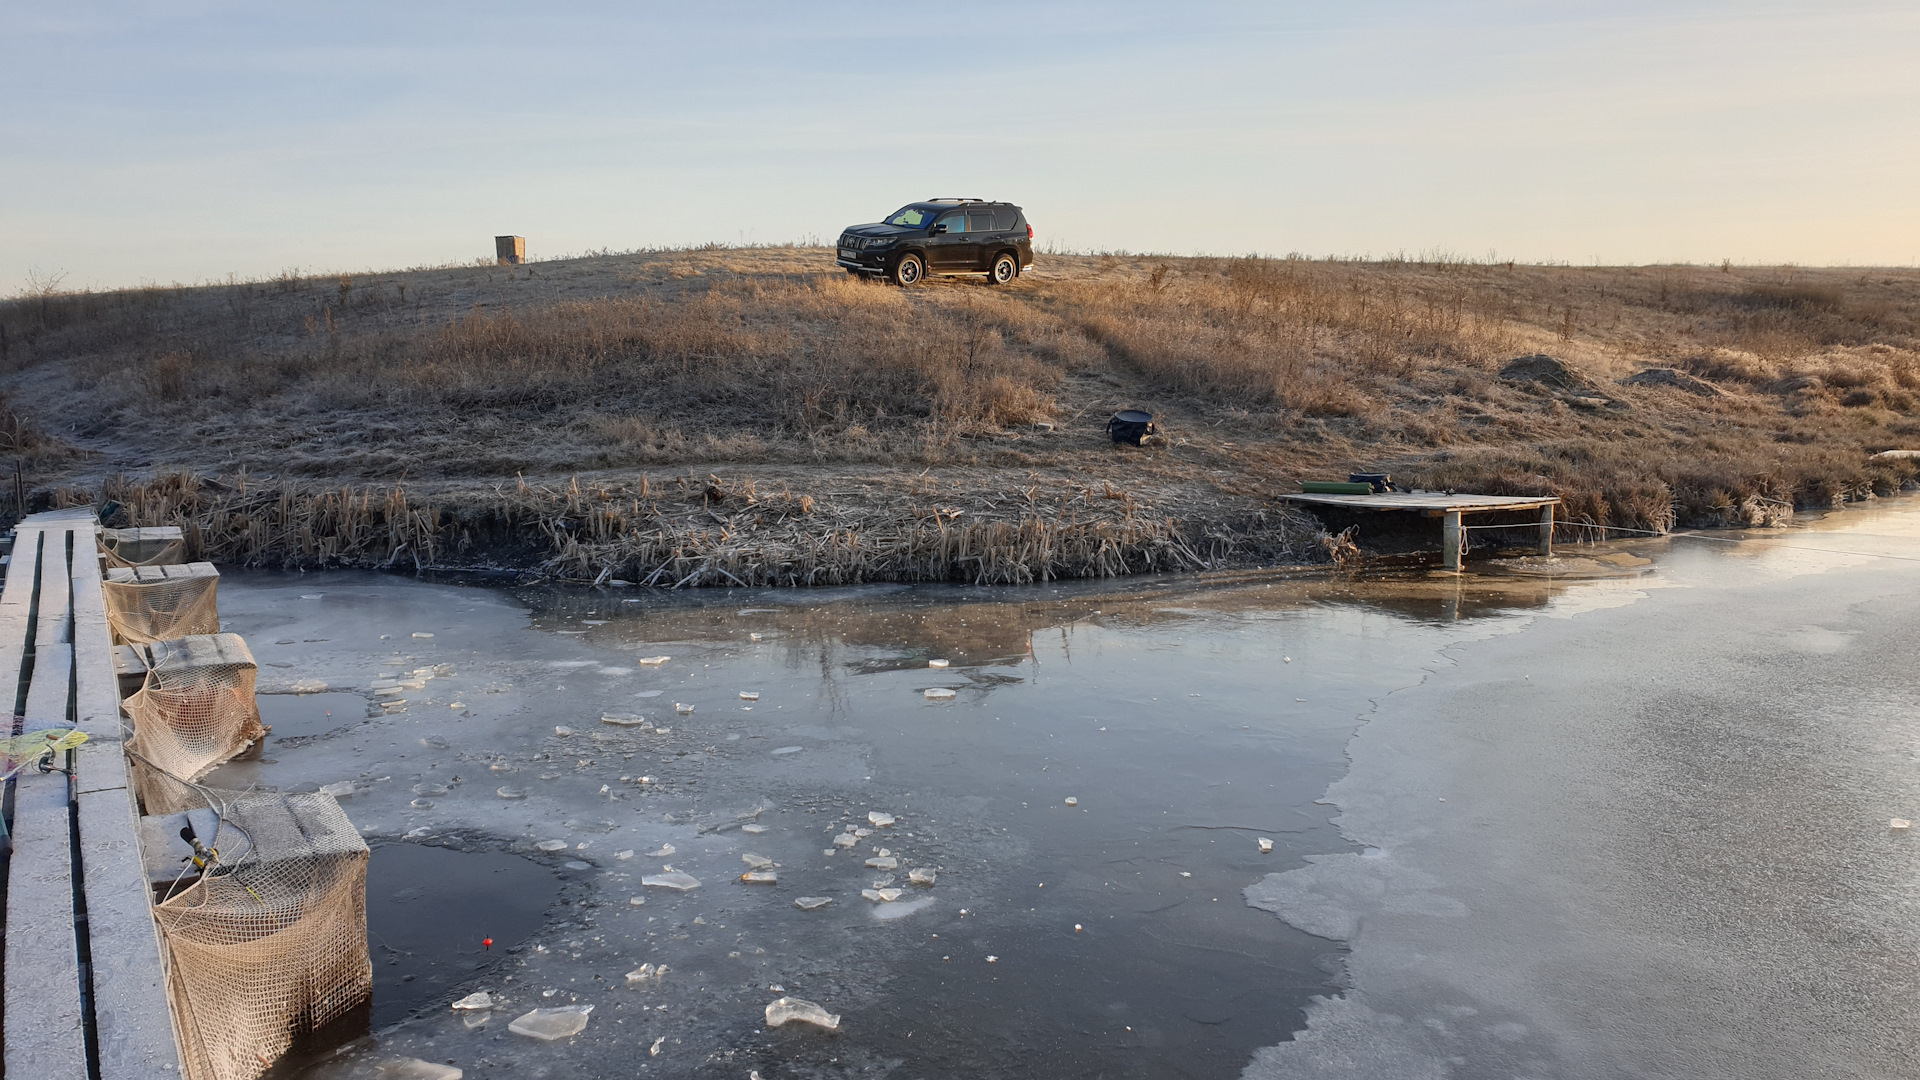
<point x="1382" y="482"/>
<point x="1131" y="427"/>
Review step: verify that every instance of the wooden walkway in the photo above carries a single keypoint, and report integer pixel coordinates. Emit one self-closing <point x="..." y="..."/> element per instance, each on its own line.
<point x="83" y="983"/>
<point x="1449" y="508"/>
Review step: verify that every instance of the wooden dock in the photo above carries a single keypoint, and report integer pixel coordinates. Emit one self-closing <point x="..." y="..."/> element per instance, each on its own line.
<point x="1451" y="509"/>
<point x="83" y="984"/>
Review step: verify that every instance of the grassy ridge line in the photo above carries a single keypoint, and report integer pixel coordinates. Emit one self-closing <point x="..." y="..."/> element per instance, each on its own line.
<point x="689" y="531"/>
<point x="1779" y="382"/>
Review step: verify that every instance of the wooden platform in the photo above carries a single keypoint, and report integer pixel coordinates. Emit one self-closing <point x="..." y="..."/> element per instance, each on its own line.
<point x="1449" y="508"/>
<point x="83" y="984"/>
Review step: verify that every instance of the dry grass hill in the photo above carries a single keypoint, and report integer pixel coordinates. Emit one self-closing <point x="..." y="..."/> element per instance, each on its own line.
<point x="756" y="415"/>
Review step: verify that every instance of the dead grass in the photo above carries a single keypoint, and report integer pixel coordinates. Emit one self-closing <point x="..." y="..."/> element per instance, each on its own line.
<point x="769" y="363"/>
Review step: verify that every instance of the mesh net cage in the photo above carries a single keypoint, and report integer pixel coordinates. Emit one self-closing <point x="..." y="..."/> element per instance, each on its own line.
<point x="144" y="606"/>
<point x="269" y="946"/>
<point x="195" y="710"/>
<point x="129" y="548"/>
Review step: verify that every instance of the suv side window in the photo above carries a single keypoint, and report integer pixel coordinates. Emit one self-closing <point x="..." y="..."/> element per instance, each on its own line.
<point x="983" y="221"/>
<point x="956" y="222"/>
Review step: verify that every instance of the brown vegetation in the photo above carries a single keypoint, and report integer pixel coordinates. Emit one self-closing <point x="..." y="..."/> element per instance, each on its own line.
<point x="1758" y="390"/>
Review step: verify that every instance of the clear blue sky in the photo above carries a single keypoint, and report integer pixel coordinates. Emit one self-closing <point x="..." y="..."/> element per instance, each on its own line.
<point x="185" y="141"/>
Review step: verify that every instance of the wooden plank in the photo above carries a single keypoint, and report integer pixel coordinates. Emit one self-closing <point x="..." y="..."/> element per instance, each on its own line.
<point x="55" y="584"/>
<point x="131" y="1016"/>
<point x="45" y="1035"/>
<point x="133" y="1022"/>
<point x="1432" y="502"/>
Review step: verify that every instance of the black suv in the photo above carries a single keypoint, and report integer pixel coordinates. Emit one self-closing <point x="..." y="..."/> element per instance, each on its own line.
<point x="942" y="236"/>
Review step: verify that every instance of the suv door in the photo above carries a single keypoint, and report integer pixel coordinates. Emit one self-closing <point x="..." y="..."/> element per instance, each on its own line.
<point x="983" y="225"/>
<point x="953" y="250"/>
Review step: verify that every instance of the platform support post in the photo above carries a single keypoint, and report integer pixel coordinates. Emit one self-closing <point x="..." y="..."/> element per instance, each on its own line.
<point x="1546" y="529"/>
<point x="1450" y="536"/>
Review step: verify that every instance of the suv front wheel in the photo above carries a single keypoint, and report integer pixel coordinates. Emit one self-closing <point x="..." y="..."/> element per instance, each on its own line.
<point x="909" y="270"/>
<point x="1005" y="269"/>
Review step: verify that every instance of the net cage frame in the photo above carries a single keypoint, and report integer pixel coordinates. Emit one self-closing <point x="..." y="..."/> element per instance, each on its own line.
<point x="195" y="710"/>
<point x="271" y="948"/>
<point x="145" y="611"/>
<point x="172" y="551"/>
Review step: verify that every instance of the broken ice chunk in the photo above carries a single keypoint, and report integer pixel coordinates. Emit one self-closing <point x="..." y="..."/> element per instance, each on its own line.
<point x="784" y="750"/>
<point x="682" y="708"/>
<point x="664" y="851"/>
<point x="478" y="1000"/>
<point x="623" y="856"/>
<point x="756" y="862"/>
<point x="563" y="731"/>
<point x="795" y="1010"/>
<point x="1898" y="824"/>
<point x="553" y="845"/>
<point x="646" y="973"/>
<point x="759" y="877"/>
<point x="1071" y="801"/>
<point x="863" y="832"/>
<point x="749" y="695"/>
<point x="511" y="792"/>
<point x="879" y="819"/>
<point x="921" y="875"/>
<point x="845" y="840"/>
<point x="812" y="903"/>
<point x="550" y="1024"/>
<point x="673" y="879"/>
<point x="938" y="693"/>
<point x="1266" y="846"/>
<point x="415" y="1069"/>
<point x="756" y="828"/>
<point x="654" y="661"/>
<point x="339" y="790"/>
<point x="884" y="863"/>
<point x="936" y="663"/>
<point x="421" y="635"/>
<point x="625" y="720"/>
<point x="636" y="901"/>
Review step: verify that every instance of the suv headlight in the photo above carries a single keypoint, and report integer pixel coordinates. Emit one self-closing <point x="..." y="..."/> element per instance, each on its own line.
<point x="879" y="241"/>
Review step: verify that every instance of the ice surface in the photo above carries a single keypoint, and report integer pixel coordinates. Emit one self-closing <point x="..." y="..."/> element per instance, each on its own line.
<point x="550" y="1024"/>
<point x="673" y="880"/>
<point x="788" y="750"/>
<point x="479" y="999"/>
<point x="788" y="1010"/>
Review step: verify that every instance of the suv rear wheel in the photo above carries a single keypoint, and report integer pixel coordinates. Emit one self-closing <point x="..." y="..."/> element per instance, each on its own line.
<point x="1005" y="269"/>
<point x="909" y="270"/>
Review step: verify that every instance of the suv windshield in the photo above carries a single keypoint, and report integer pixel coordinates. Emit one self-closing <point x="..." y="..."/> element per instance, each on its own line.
<point x="913" y="217"/>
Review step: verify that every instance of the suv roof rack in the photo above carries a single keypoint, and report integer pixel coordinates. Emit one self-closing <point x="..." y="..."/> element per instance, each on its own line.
<point x="954" y="200"/>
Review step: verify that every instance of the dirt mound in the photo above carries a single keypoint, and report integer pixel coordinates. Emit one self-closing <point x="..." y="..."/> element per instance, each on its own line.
<point x="1679" y="380"/>
<point x="1545" y="370"/>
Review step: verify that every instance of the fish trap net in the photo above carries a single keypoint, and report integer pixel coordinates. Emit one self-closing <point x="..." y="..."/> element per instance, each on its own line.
<point x="266" y="937"/>
<point x="159" y="603"/>
<point x="195" y="711"/>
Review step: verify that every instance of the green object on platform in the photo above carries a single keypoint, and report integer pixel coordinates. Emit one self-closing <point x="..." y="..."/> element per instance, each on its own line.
<point x="1334" y="487"/>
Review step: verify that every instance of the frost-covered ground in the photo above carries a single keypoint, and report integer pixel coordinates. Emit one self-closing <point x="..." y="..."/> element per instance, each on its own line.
<point x="1106" y="937"/>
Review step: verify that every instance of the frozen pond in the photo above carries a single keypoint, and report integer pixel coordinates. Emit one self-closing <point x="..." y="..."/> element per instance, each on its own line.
<point x="521" y="759"/>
